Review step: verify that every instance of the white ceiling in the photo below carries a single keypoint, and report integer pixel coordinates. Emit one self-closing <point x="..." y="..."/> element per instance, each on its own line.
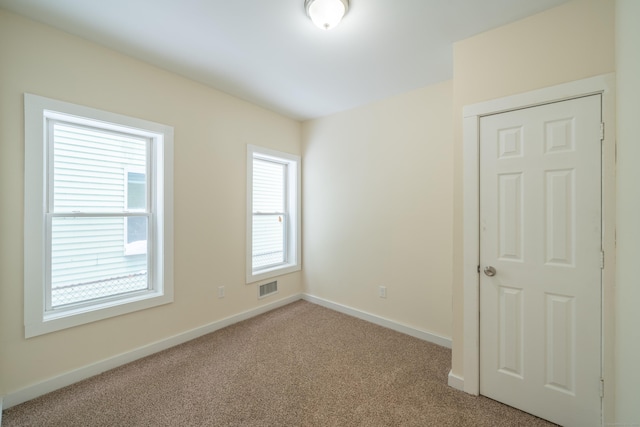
<point x="268" y="51"/>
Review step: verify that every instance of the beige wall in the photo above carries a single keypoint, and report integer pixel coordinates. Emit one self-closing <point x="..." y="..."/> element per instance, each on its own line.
<point x="567" y="43"/>
<point x="628" y="209"/>
<point x="211" y="133"/>
<point x="378" y="208"/>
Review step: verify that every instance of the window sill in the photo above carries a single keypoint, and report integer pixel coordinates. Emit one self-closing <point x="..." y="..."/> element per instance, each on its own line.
<point x="272" y="272"/>
<point x="62" y="319"/>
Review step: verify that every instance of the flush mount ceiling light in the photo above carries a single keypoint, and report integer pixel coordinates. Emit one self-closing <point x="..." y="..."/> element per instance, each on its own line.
<point x="326" y="14"/>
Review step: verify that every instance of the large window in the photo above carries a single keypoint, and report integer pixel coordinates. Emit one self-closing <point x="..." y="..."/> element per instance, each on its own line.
<point x="273" y="222"/>
<point x="98" y="230"/>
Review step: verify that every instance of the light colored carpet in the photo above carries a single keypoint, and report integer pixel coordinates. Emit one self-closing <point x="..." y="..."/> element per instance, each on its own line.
<point x="300" y="365"/>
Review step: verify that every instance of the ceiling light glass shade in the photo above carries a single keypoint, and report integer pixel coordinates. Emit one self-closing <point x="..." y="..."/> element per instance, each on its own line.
<point x="326" y="14"/>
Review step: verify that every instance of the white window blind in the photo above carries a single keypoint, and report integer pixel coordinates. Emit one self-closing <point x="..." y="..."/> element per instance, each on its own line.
<point x="269" y="213"/>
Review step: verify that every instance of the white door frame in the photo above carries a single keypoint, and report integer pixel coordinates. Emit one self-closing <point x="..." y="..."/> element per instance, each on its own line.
<point x="604" y="85"/>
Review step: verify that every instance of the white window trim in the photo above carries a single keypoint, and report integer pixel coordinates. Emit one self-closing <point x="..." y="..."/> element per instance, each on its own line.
<point x="293" y="232"/>
<point x="37" y="110"/>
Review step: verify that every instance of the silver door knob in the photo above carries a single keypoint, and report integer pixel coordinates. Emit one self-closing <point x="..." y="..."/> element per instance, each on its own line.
<point x="490" y="271"/>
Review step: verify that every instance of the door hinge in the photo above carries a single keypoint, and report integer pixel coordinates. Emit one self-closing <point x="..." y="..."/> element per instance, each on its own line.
<point x="601" y="388"/>
<point x="601" y="131"/>
<point x="478" y="269"/>
<point x="601" y="259"/>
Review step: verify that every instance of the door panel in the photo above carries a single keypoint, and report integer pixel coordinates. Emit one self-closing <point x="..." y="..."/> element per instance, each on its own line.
<point x="540" y="228"/>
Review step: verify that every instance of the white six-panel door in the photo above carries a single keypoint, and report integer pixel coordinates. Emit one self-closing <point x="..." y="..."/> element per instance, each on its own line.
<point x="540" y="231"/>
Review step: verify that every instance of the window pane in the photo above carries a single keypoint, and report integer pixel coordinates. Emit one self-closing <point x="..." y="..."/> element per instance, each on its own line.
<point x="89" y="165"/>
<point x="268" y="186"/>
<point x="136" y="191"/>
<point x="268" y="240"/>
<point x="136" y="229"/>
<point x="88" y="260"/>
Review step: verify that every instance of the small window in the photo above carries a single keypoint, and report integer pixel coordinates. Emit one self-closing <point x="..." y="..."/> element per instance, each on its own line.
<point x="273" y="225"/>
<point x="135" y="236"/>
<point x="98" y="208"/>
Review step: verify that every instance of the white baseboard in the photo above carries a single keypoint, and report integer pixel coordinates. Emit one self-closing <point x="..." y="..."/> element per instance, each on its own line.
<point x="381" y="321"/>
<point x="93" y="369"/>
<point x="455" y="381"/>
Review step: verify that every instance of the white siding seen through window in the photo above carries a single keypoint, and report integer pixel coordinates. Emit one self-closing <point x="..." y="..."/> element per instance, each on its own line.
<point x="88" y="259"/>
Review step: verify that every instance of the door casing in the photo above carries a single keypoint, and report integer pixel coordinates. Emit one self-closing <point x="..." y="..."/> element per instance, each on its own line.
<point x="604" y="85"/>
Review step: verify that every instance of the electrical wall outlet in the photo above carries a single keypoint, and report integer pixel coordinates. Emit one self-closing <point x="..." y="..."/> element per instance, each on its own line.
<point x="382" y="291"/>
<point x="220" y="291"/>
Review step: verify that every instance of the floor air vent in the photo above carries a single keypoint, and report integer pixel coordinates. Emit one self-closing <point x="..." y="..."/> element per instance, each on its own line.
<point x="267" y="289"/>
